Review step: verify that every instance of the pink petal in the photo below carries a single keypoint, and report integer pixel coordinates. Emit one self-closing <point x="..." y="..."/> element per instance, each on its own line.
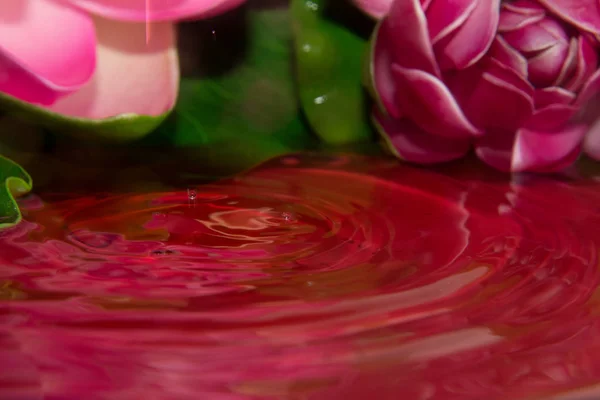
<point x="591" y="143"/>
<point x="552" y="95"/>
<point x="587" y="63"/>
<point x="375" y="8"/>
<point x="501" y="101"/>
<point x="551" y="118"/>
<point x="508" y="56"/>
<point x="381" y="71"/>
<point x="445" y="17"/>
<point x="593" y="38"/>
<point x="546" y="65"/>
<point x="496" y="150"/>
<point x="472" y="39"/>
<point x="36" y="65"/>
<point x="535" y="37"/>
<point x="569" y="64"/>
<point x="132" y="76"/>
<point x="428" y="103"/>
<point x="545" y="152"/>
<point x="155" y="10"/>
<point x="511" y="19"/>
<point x="462" y="83"/>
<point x="588" y="101"/>
<point x="524" y="7"/>
<point x="590" y="90"/>
<point x="410" y="38"/>
<point x="555" y="28"/>
<point x="585" y="14"/>
<point x="413" y="144"/>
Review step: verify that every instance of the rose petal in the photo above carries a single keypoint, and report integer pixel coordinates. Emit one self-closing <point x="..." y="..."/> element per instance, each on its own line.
<point x="510" y="20"/>
<point x="551" y="118"/>
<point x="588" y="101"/>
<point x="35" y="66"/>
<point x="408" y="33"/>
<point x="501" y="101"/>
<point x="508" y="56"/>
<point x="591" y="143"/>
<point x="552" y="95"/>
<point x="132" y="76"/>
<point x="555" y="28"/>
<point x="569" y="64"/>
<point x="585" y="14"/>
<point x="586" y="64"/>
<point x="495" y="149"/>
<point x="547" y="64"/>
<point x="535" y="37"/>
<point x="524" y="7"/>
<point x="375" y="8"/>
<point x="425" y="4"/>
<point x="381" y="71"/>
<point x="589" y="90"/>
<point x="545" y="152"/>
<point x="410" y="143"/>
<point x="462" y="83"/>
<point x="444" y="17"/>
<point x="472" y="39"/>
<point x="155" y="10"/>
<point x="427" y="102"/>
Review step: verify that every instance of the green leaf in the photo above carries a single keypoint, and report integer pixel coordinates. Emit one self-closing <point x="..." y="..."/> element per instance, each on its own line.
<point x="15" y="181"/>
<point x="121" y="128"/>
<point x="329" y="65"/>
<point x="246" y="113"/>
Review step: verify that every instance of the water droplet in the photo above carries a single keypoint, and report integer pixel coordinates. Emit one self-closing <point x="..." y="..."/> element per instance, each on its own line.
<point x="311" y="5"/>
<point x="288" y="216"/>
<point x="192" y="194"/>
<point x="320" y="99"/>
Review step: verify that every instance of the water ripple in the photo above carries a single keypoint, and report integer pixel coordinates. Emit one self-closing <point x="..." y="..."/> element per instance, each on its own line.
<point x="310" y="277"/>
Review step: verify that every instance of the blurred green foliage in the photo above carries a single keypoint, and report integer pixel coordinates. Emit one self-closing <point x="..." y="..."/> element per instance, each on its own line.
<point x="329" y="69"/>
<point x="247" y="112"/>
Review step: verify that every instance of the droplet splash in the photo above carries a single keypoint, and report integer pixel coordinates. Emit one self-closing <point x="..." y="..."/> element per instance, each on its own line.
<point x="192" y="194"/>
<point x="312" y="277"/>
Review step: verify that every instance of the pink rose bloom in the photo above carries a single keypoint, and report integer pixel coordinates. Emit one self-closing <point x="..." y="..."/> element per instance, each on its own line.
<point x="506" y="78"/>
<point x="95" y="59"/>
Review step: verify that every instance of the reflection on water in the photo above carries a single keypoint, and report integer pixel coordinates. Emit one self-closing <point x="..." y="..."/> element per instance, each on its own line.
<point x="310" y="277"/>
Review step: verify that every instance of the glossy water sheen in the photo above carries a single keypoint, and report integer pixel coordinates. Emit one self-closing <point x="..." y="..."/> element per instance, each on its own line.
<point x="310" y="277"/>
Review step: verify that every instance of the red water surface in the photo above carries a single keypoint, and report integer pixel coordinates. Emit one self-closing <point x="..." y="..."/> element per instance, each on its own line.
<point x="309" y="277"/>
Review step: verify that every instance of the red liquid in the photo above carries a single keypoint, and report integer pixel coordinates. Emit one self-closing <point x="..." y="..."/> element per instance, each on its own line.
<point x="308" y="278"/>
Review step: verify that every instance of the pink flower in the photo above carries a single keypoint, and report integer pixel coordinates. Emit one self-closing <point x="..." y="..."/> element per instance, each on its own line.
<point x="95" y="59"/>
<point x="375" y="8"/>
<point x="507" y="79"/>
<point x="585" y="15"/>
